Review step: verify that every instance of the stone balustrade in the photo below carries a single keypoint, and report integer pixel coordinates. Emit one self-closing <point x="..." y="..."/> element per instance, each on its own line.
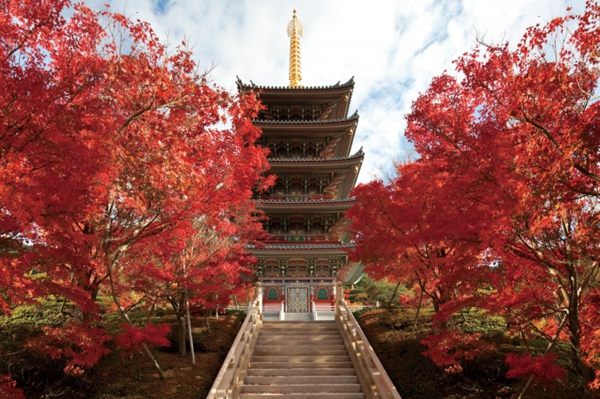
<point x="373" y="378"/>
<point x="231" y="376"/>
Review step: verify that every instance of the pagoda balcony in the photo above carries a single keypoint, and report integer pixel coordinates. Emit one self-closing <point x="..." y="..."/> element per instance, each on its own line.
<point x="313" y="239"/>
<point x="321" y="199"/>
<point x="295" y="198"/>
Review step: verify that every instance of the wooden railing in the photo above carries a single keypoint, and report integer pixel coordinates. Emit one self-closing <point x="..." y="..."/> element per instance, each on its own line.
<point x="231" y="376"/>
<point x="372" y="376"/>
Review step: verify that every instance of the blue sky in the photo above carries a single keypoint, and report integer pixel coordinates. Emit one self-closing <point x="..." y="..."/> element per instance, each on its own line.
<point x="392" y="48"/>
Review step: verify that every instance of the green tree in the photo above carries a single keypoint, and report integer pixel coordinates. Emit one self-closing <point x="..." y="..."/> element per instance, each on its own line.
<point x="368" y="291"/>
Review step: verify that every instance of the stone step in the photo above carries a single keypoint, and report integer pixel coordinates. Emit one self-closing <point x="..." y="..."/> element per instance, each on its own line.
<point x="296" y="331"/>
<point x="299" y="337"/>
<point x="295" y="359"/>
<point x="310" y="351"/>
<point x="299" y="324"/>
<point x="294" y="344"/>
<point x="318" y="345"/>
<point x="299" y="365"/>
<point x="298" y="328"/>
<point x="313" y="379"/>
<point x="300" y="372"/>
<point x="303" y="388"/>
<point x="300" y="360"/>
<point x="298" y="316"/>
<point x="299" y="331"/>
<point x="311" y="322"/>
<point x="343" y="395"/>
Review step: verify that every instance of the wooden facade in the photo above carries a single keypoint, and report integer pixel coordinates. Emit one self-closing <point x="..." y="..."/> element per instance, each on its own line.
<point x="309" y="134"/>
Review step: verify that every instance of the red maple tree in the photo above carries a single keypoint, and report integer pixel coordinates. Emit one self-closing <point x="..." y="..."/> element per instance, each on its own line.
<point x="512" y="145"/>
<point x="110" y="147"/>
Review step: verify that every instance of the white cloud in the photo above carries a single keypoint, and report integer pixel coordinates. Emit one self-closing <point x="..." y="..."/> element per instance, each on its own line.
<point x="392" y="48"/>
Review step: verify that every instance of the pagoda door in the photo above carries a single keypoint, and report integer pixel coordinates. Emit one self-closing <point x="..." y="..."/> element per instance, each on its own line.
<point x="297" y="300"/>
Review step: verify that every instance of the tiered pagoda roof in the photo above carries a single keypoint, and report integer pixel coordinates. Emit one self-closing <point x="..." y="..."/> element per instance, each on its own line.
<point x="309" y="134"/>
<point x="334" y="99"/>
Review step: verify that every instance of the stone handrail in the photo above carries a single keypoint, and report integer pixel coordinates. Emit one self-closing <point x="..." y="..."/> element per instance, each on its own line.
<point x="374" y="379"/>
<point x="231" y="375"/>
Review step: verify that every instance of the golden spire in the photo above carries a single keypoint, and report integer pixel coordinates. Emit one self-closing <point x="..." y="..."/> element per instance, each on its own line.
<point x="294" y="31"/>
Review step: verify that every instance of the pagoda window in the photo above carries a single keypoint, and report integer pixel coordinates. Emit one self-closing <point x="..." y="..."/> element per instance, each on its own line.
<point x="304" y="146"/>
<point x="297" y="267"/>
<point x="322" y="182"/>
<point x="308" y="224"/>
<point x="311" y="265"/>
<point x="297" y="224"/>
<point x="283" y="267"/>
<point x="267" y="226"/>
<point x="322" y="293"/>
<point x="285" y="224"/>
<point x="296" y="112"/>
<point x="322" y="268"/>
<point x="287" y="185"/>
<point x="319" y="145"/>
<point x="272" y="268"/>
<point x="272" y="293"/>
<point x="296" y="185"/>
<point x="335" y="265"/>
<point x="261" y="267"/>
<point x="316" y="226"/>
<point x="305" y="181"/>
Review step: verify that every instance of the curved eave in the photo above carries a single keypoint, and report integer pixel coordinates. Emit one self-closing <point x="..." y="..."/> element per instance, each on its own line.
<point x="303" y="124"/>
<point x="344" y="129"/>
<point x="351" y="179"/>
<point x="296" y="89"/>
<point x="302" y="250"/>
<point x="310" y="94"/>
<point x="340" y="163"/>
<point x="319" y="206"/>
<point x="355" y="271"/>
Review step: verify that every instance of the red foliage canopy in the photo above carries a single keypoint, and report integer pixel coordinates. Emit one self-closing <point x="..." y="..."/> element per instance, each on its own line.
<point x="508" y="177"/>
<point x="111" y="147"/>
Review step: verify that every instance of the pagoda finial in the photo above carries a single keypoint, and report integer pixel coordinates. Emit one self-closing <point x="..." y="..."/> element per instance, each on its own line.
<point x="294" y="31"/>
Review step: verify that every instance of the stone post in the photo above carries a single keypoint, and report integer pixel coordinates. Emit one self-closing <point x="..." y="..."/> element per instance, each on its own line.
<point x="258" y="296"/>
<point x="339" y="297"/>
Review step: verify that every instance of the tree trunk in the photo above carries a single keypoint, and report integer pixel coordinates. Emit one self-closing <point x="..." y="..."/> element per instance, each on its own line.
<point x="550" y="345"/>
<point x="146" y="349"/>
<point x="94" y="293"/>
<point x="189" y="325"/>
<point x="587" y="373"/>
<point x="182" y="336"/>
<point x="206" y="321"/>
<point x="393" y="295"/>
<point x="417" y="314"/>
<point x="126" y="316"/>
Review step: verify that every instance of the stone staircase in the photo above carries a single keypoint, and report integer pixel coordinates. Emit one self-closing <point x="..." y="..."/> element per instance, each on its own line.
<point x="298" y="316"/>
<point x="300" y="360"/>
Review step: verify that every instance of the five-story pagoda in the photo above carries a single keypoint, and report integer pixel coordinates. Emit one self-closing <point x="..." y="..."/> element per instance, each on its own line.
<point x="309" y="134"/>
